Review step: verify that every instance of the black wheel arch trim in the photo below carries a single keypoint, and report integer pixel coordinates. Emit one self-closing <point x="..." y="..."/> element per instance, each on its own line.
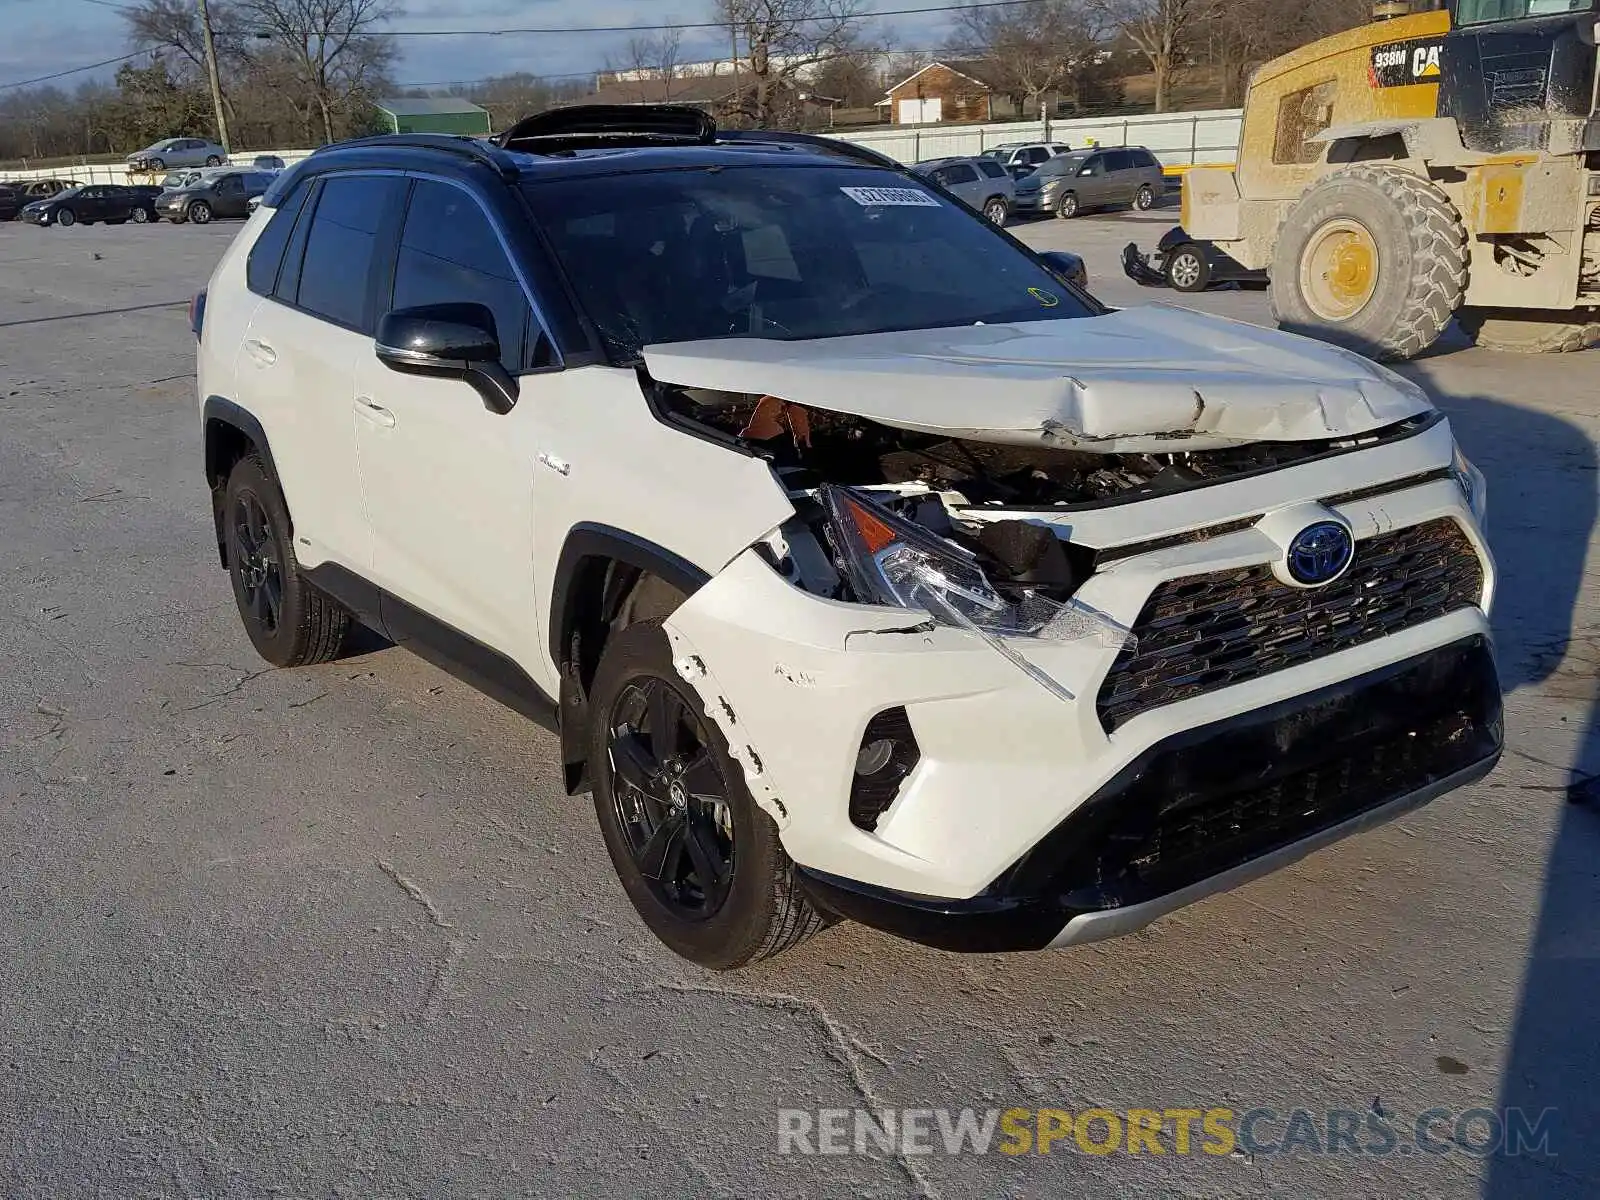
<point x="586" y="541"/>
<point x="218" y="411"/>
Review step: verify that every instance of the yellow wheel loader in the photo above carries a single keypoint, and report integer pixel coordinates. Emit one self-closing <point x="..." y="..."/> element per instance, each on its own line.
<point x="1438" y="164"/>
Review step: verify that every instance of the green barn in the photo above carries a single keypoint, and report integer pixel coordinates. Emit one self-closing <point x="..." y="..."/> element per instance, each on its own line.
<point x="437" y="115"/>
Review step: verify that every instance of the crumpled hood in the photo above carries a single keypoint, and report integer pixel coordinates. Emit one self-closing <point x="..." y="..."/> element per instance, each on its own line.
<point x="1141" y="380"/>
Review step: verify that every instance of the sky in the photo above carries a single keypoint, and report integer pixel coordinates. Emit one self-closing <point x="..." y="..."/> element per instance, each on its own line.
<point x="44" y="36"/>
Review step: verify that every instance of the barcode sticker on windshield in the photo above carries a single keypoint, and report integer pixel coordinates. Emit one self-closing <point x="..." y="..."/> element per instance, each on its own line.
<point x="905" y="197"/>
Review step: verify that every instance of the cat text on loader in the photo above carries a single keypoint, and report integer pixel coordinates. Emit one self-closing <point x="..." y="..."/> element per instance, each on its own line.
<point x="1438" y="164"/>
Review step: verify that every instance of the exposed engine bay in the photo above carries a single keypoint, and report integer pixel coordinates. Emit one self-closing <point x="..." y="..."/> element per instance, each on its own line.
<point x="934" y="481"/>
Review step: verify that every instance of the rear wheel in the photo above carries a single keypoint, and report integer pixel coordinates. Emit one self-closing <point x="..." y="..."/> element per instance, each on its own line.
<point x="1068" y="208"/>
<point x="1145" y="199"/>
<point x="1530" y="331"/>
<point x="66" y="217"/>
<point x="1187" y="269"/>
<point x="699" y="860"/>
<point x="200" y="212"/>
<point x="289" y="622"/>
<point x="1373" y="258"/>
<point x="996" y="210"/>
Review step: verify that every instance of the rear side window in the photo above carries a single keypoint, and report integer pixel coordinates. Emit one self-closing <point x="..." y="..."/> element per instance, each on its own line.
<point x="261" y="268"/>
<point x="449" y="254"/>
<point x="992" y="169"/>
<point x="340" y="246"/>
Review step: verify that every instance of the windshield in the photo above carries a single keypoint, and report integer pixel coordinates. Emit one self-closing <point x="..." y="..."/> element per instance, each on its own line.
<point x="783" y="253"/>
<point x="1479" y="12"/>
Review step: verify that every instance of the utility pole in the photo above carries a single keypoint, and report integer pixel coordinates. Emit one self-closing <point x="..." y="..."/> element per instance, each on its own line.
<point x="211" y="72"/>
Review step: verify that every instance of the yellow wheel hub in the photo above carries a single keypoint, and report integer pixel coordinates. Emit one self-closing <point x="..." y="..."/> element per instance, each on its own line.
<point x="1339" y="269"/>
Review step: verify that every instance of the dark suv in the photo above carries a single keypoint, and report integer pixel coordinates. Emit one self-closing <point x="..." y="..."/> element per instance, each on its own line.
<point x="225" y="195"/>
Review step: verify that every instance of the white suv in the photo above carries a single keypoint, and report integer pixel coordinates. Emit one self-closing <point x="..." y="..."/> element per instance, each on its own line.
<point x="866" y="567"/>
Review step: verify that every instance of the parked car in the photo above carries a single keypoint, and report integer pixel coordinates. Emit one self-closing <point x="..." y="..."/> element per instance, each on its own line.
<point x="982" y="183"/>
<point x="1086" y="179"/>
<point x="1185" y="263"/>
<point x="177" y="152"/>
<point x="1022" y="158"/>
<point x="865" y="568"/>
<point x="109" y="202"/>
<point x="223" y="194"/>
<point x="267" y="162"/>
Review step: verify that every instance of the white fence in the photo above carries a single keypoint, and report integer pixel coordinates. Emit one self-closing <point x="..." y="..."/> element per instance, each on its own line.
<point x="1177" y="139"/>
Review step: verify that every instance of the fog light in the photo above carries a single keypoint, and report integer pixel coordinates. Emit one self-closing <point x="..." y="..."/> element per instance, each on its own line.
<point x="888" y="753"/>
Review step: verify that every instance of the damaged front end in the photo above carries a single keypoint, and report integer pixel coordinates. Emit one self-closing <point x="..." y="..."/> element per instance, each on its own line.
<point x="940" y="658"/>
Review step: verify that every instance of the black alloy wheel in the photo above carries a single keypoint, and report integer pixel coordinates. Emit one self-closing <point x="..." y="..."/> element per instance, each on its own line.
<point x="671" y="798"/>
<point x="253" y="548"/>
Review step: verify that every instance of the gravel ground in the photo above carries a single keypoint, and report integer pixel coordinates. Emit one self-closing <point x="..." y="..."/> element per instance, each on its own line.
<point x="337" y="932"/>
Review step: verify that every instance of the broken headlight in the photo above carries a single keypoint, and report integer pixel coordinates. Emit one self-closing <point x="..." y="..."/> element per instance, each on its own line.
<point x="888" y="560"/>
<point x="1471" y="482"/>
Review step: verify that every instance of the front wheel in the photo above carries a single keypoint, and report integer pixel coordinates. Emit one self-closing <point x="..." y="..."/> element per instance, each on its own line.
<point x="996" y="210"/>
<point x="1145" y="199"/>
<point x="700" y="862"/>
<point x="1068" y="208"/>
<point x="289" y="622"/>
<point x="139" y="216"/>
<point x="66" y="217"/>
<point x="1372" y="257"/>
<point x="200" y="212"/>
<point x="1188" y="270"/>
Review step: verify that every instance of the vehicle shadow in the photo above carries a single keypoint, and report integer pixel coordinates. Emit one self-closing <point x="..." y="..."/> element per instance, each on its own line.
<point x="1541" y="524"/>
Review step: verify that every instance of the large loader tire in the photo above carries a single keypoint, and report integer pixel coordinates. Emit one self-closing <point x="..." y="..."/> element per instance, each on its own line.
<point x="1374" y="258"/>
<point x="1530" y="331"/>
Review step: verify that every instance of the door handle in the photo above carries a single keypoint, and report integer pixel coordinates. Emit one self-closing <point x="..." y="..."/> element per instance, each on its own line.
<point x="374" y="412"/>
<point x="261" y="352"/>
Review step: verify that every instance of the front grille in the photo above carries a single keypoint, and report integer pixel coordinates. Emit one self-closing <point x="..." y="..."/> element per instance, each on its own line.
<point x="1205" y="632"/>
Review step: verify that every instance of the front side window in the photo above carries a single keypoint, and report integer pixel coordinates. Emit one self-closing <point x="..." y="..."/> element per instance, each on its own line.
<point x="1479" y="12"/>
<point x="786" y="253"/>
<point x="340" y="245"/>
<point x="449" y="253"/>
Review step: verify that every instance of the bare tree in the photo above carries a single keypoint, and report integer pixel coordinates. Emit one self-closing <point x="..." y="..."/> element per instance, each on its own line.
<point x="651" y="63"/>
<point x="335" y="46"/>
<point x="779" y="40"/>
<point x="1029" y="50"/>
<point x="1162" y="30"/>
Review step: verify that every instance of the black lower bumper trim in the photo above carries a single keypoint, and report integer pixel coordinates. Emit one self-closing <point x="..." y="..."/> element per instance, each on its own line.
<point x="1204" y="803"/>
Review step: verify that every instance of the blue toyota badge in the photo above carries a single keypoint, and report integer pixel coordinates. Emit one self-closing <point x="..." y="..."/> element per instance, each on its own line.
<point x="1319" y="553"/>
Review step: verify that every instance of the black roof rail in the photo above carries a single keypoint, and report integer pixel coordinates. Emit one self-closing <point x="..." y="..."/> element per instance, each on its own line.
<point x="589" y="125"/>
<point x="810" y="141"/>
<point x="476" y="149"/>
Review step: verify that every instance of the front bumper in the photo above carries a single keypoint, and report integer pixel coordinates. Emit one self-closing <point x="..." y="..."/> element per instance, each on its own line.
<point x="1143" y="269"/>
<point x="1220" y="805"/>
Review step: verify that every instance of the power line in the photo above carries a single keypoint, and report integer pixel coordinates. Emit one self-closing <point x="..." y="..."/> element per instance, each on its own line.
<point x="558" y="30"/>
<point x="21" y="83"/>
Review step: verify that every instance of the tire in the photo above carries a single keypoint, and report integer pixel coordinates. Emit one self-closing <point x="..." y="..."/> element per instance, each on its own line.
<point x="1529" y="331"/>
<point x="289" y="622"/>
<point x="1067" y="207"/>
<point x="1145" y="198"/>
<point x="139" y="216"/>
<point x="1373" y="258"/>
<point x="996" y="210"/>
<point x="213" y="161"/>
<point x="200" y="212"/>
<point x="66" y="217"/>
<point x="1187" y="270"/>
<point x="754" y="911"/>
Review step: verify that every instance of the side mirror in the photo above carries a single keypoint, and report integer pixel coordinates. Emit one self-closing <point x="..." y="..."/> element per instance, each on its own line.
<point x="448" y="341"/>
<point x="1066" y="266"/>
